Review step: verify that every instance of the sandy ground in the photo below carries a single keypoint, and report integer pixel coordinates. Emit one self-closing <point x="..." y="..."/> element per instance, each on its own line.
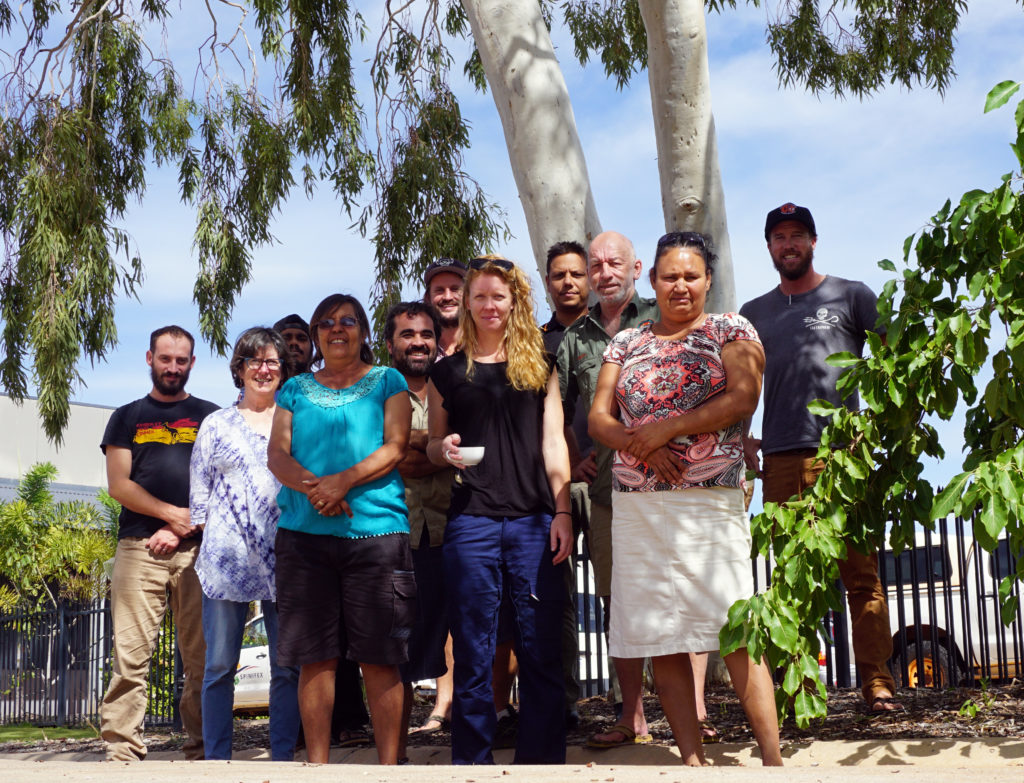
<point x="938" y="760"/>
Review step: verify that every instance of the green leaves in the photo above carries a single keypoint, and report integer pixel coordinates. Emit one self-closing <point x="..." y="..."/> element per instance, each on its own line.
<point x="949" y="499"/>
<point x="49" y="549"/>
<point x="614" y="30"/>
<point x="952" y="313"/>
<point x="1000" y="94"/>
<point x="886" y="41"/>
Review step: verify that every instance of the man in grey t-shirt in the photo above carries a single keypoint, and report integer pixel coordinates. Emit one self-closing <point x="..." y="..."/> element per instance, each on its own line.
<point x="808" y="317"/>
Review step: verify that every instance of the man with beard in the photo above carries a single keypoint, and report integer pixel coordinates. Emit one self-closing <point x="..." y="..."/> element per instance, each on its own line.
<point x="808" y="317"/>
<point x="295" y="332"/>
<point x="148" y="446"/>
<point x="442" y="285"/>
<point x="410" y="332"/>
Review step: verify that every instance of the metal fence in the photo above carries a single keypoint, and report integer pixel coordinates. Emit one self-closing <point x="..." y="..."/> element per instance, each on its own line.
<point x="944" y="613"/>
<point x="944" y="607"/>
<point x="55" y="667"/>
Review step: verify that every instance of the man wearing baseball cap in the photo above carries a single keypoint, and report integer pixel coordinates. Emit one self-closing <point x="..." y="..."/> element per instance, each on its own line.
<point x="442" y="287"/>
<point x="295" y="332"/>
<point x="803" y="320"/>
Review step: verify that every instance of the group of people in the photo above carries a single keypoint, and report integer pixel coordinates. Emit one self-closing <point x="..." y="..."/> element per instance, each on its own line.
<point x="417" y="521"/>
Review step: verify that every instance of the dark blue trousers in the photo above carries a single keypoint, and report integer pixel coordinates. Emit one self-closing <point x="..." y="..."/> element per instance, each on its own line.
<point x="484" y="556"/>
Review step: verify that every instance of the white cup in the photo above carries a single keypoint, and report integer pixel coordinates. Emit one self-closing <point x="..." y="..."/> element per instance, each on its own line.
<point x="471" y="455"/>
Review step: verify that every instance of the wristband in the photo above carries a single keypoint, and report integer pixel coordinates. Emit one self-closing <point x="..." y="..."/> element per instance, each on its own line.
<point x="567" y="513"/>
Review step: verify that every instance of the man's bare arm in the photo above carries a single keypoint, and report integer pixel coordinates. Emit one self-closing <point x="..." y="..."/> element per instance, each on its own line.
<point x="415" y="463"/>
<point x="134" y="497"/>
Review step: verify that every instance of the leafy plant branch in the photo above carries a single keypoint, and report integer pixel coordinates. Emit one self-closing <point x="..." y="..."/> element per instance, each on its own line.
<point x="938" y="338"/>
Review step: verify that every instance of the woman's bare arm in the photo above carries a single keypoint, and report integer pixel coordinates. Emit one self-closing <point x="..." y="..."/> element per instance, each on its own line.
<point x="556" y="465"/>
<point x="743" y="361"/>
<point x="333" y="488"/>
<point x="279" y="454"/>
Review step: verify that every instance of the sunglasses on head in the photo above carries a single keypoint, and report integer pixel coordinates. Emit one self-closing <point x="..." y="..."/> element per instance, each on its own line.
<point x="328" y="323"/>
<point x="682" y="238"/>
<point x="480" y="263"/>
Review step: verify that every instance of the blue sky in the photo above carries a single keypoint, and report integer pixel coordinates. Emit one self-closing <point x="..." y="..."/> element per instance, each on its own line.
<point x="872" y="172"/>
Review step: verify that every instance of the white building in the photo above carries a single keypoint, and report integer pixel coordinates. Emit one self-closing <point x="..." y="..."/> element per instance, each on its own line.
<point x="81" y="467"/>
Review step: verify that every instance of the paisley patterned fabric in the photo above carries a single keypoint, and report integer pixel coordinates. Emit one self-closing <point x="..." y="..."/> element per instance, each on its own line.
<point x="665" y="378"/>
<point x="234" y="494"/>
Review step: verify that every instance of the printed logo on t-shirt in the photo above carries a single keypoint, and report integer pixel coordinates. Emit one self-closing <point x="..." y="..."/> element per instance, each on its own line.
<point x="167" y="432"/>
<point x="821" y="320"/>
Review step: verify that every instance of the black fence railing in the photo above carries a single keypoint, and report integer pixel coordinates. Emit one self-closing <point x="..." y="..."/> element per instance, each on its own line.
<point x="55" y="667"/>
<point x="944" y="608"/>
<point x="944" y="613"/>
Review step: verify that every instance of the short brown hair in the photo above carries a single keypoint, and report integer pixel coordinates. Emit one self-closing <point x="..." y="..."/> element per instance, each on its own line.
<point x="250" y="343"/>
<point x="173" y="331"/>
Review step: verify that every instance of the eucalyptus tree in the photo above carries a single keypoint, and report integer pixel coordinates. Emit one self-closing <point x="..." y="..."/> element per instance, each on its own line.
<point x="92" y="94"/>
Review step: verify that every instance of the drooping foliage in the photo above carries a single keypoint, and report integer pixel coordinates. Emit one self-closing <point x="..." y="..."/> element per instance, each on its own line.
<point x="953" y="316"/>
<point x="847" y="48"/>
<point x="92" y="96"/>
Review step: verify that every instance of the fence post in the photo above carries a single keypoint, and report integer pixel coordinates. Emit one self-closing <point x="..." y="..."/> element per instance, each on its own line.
<point x="62" y="666"/>
<point x="179" y="684"/>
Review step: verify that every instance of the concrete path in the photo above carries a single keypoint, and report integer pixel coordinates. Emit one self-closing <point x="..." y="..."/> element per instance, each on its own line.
<point x="927" y="761"/>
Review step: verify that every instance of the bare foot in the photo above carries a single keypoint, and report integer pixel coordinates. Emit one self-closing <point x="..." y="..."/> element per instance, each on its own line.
<point x="884" y="701"/>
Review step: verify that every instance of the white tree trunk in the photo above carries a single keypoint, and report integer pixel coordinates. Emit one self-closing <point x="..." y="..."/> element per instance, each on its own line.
<point x="540" y="130"/>
<point x="691" y="184"/>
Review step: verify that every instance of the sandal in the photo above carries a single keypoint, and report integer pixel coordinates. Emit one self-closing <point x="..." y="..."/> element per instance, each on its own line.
<point x="426" y="728"/>
<point x="349" y="738"/>
<point x="708" y="733"/>
<point x="629" y="737"/>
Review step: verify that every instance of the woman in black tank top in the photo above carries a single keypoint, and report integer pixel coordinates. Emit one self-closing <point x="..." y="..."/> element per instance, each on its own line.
<point x="509" y="522"/>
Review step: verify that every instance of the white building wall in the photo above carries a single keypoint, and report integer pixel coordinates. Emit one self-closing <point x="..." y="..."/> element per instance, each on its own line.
<point x="78" y="459"/>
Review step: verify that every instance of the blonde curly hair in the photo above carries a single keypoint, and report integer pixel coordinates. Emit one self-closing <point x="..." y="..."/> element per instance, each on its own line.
<point x="528" y="368"/>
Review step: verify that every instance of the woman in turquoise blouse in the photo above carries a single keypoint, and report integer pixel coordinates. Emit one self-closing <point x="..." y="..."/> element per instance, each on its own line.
<point x="345" y="583"/>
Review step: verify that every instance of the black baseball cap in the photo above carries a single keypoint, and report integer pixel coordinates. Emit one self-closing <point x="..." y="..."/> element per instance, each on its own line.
<point x="789" y="211"/>
<point x="444" y="265"/>
<point x="292" y="321"/>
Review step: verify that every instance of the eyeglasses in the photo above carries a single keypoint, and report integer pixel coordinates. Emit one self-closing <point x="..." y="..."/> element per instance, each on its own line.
<point x="254" y="363"/>
<point x="328" y="323"/>
<point x="480" y="263"/>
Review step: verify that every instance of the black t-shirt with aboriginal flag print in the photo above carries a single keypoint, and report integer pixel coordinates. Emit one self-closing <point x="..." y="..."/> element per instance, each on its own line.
<point x="160" y="436"/>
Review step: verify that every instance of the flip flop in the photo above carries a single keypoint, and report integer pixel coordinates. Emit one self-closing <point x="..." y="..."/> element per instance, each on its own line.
<point x="629" y="737"/>
<point x="440" y="720"/>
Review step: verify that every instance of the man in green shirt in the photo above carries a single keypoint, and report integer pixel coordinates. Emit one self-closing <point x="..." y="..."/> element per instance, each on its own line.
<point x="613" y="268"/>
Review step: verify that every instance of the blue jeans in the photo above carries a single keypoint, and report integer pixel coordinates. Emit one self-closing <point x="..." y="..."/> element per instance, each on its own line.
<point x="223" y="626"/>
<point x="483" y="557"/>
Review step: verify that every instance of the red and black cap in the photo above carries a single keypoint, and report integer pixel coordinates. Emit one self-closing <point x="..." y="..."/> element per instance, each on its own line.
<point x="789" y="211"/>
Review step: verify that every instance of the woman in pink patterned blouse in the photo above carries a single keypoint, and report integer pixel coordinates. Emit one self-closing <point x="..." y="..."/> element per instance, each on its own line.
<point x="671" y="399"/>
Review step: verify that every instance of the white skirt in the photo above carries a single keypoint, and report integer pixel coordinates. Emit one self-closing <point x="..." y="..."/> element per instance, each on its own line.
<point x="680" y="559"/>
